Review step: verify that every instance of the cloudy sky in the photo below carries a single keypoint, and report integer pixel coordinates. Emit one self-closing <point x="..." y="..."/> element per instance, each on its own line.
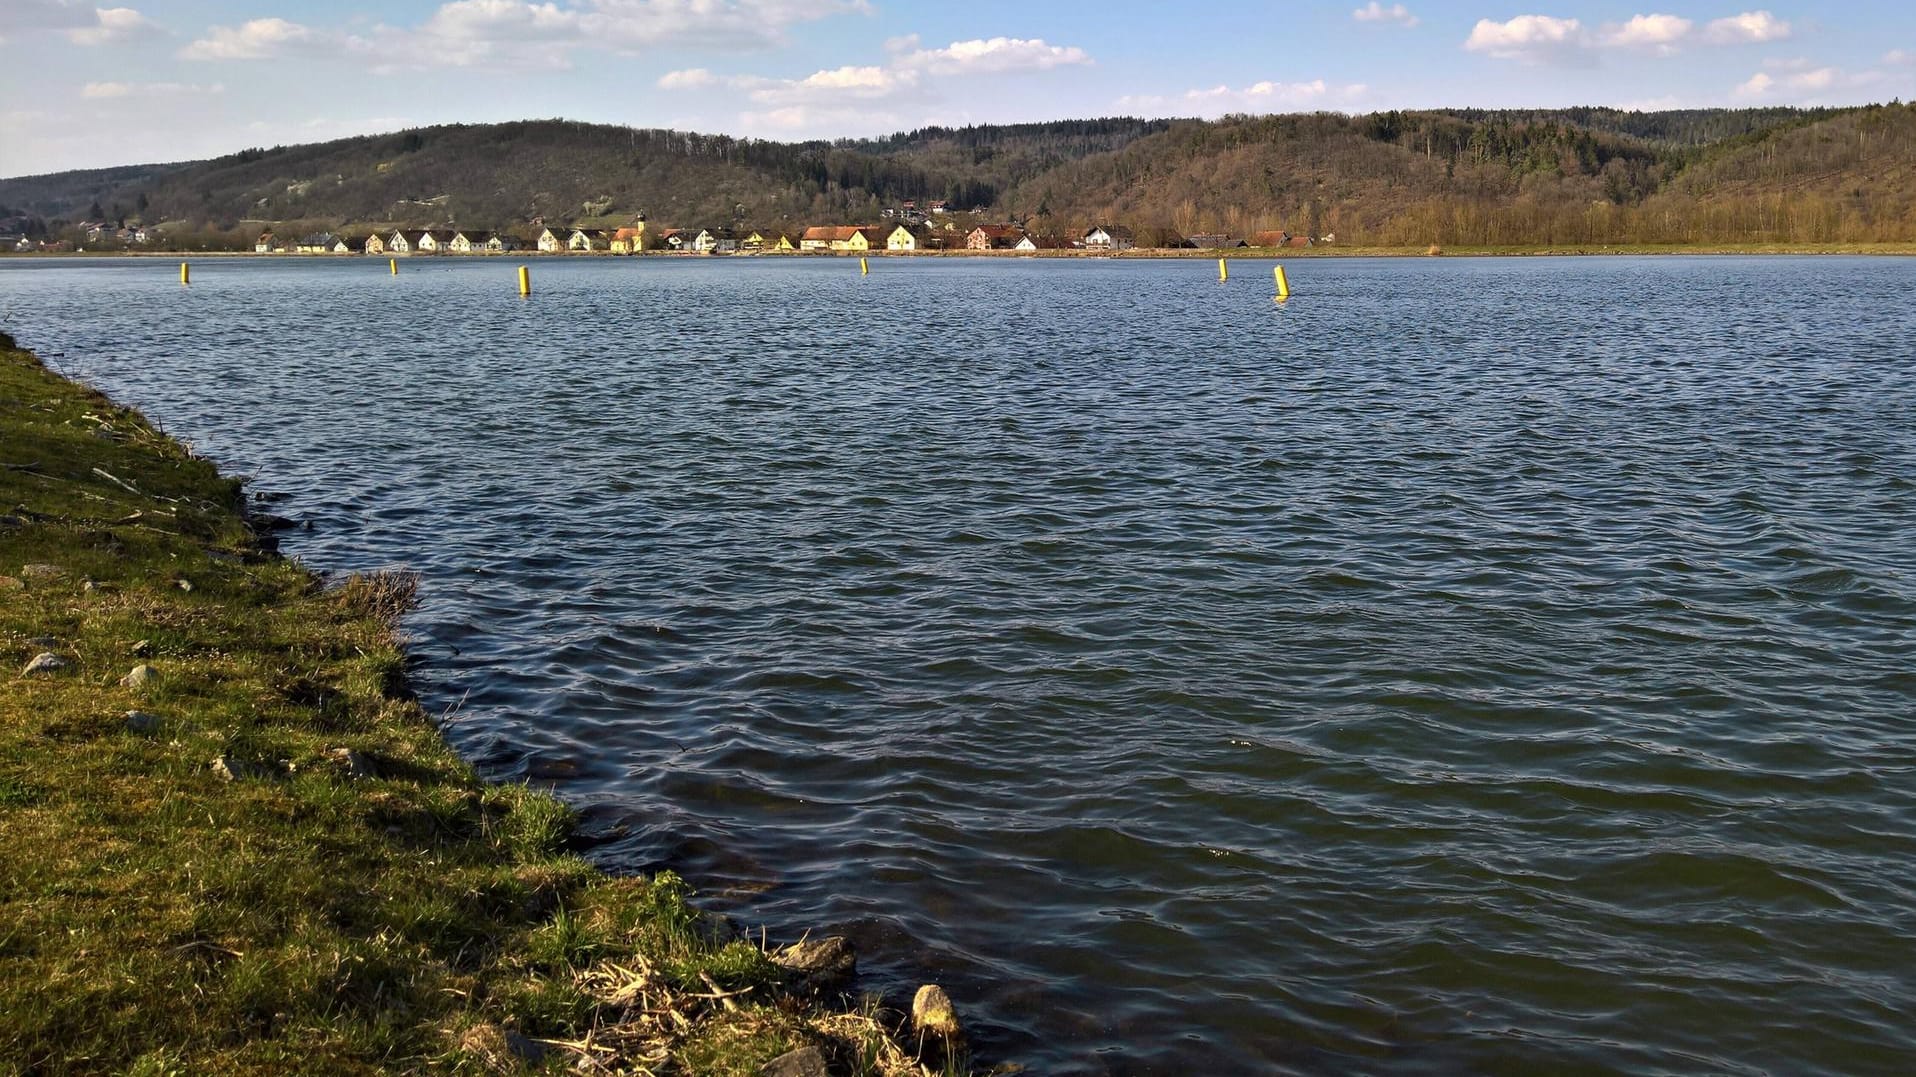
<point x="83" y="85"/>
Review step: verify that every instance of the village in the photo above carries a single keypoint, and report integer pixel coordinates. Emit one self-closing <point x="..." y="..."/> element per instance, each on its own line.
<point x="638" y="238"/>
<point x="911" y="232"/>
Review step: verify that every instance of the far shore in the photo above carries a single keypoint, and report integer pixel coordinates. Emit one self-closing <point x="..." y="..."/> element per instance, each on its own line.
<point x="1325" y="250"/>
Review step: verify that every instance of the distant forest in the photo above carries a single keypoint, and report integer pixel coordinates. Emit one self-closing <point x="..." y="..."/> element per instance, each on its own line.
<point x="1449" y="177"/>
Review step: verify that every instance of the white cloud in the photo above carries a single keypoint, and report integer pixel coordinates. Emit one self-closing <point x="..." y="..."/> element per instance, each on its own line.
<point x="1656" y="33"/>
<point x="1529" y="38"/>
<point x="114" y="24"/>
<point x="689" y="79"/>
<point x="258" y="39"/>
<point x="994" y="56"/>
<point x="1751" y="26"/>
<point x="1259" y="97"/>
<point x="1376" y="12"/>
<point x="104" y="90"/>
<point x="627" y="25"/>
<point x="851" y="92"/>
<point x="1898" y="57"/>
<point x="1801" y="82"/>
<point x="833" y="88"/>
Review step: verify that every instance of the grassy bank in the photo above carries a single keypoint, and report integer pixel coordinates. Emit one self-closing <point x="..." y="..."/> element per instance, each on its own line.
<point x="255" y="854"/>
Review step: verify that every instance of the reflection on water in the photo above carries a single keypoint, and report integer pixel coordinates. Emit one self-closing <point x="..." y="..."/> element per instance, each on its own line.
<point x="1465" y="666"/>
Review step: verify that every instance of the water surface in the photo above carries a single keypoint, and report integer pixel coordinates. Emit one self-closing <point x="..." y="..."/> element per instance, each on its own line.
<point x="1467" y="666"/>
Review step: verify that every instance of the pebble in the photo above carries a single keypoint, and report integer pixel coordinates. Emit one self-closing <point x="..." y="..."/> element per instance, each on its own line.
<point x="142" y="722"/>
<point x="826" y="958"/>
<point x="139" y="677"/>
<point x="804" y="1062"/>
<point x="45" y="662"/>
<point x="240" y="770"/>
<point x="357" y="764"/>
<point x="932" y="1014"/>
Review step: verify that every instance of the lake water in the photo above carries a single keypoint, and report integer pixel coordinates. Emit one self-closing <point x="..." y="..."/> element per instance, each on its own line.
<point x="1467" y="666"/>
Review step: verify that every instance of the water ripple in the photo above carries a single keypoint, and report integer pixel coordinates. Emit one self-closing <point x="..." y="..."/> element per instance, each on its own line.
<point x="1467" y="666"/>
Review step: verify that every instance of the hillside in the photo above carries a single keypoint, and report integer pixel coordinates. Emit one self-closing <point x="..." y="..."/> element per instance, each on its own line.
<point x="1398" y="178"/>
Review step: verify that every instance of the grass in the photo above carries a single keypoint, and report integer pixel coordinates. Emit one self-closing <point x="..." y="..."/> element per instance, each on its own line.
<point x="357" y="901"/>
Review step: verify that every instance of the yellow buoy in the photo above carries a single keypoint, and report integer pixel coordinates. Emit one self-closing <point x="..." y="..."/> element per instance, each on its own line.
<point x="1283" y="283"/>
<point x="525" y="281"/>
<point x="394" y="262"/>
<point x="186" y="276"/>
<point x="1222" y="272"/>
<point x="864" y="268"/>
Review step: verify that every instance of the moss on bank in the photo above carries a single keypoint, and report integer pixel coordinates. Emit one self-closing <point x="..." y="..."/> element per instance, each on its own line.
<point x="259" y="856"/>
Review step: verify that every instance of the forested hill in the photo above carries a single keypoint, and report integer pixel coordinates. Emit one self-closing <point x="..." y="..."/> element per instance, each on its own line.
<point x="1584" y="175"/>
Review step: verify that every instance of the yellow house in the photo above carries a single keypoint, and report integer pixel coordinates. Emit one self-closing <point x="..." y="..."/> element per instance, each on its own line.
<point x="901" y="239"/>
<point x="856" y="240"/>
<point x="767" y="241"/>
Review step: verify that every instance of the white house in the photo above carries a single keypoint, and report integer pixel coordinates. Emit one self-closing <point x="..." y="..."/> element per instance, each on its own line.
<point x="500" y="244"/>
<point x="549" y="242"/>
<point x="467" y="242"/>
<point x="1112" y="238"/>
<point x="582" y="240"/>
<point x="433" y="241"/>
<point x="397" y="243"/>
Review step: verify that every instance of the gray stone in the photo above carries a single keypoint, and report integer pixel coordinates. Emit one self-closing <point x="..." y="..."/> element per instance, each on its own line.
<point x="242" y="770"/>
<point x="357" y="765"/>
<point x="804" y="1062"/>
<point x="142" y="722"/>
<point x="822" y="958"/>
<point x="12" y="523"/>
<point x="140" y="676"/>
<point x="45" y="662"/>
<point x="932" y="1014"/>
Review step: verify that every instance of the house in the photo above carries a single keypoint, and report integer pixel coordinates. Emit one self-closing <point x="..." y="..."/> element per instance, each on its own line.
<point x="145" y="235"/>
<point x="767" y="240"/>
<point x="1042" y="243"/>
<point x="903" y="239"/>
<point x="992" y="237"/>
<point x="1270" y="239"/>
<point x="264" y="244"/>
<point x="374" y="244"/>
<point x="938" y="207"/>
<point x="317" y="243"/>
<point x="433" y="241"/>
<point x="719" y="242"/>
<point x="500" y="243"/>
<point x="1109" y="238"/>
<point x="1300" y="241"/>
<point x="818" y="238"/>
<point x="587" y="240"/>
<point x="341" y="245"/>
<point x="674" y="239"/>
<point x="1213" y="241"/>
<point x="629" y="240"/>
<point x="397" y="243"/>
<point x="549" y="242"/>
<point x="473" y="242"/>
<point x="858" y="240"/>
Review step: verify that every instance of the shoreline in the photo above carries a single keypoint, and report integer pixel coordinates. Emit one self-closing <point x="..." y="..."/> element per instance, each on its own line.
<point x="1542" y="250"/>
<point x="218" y="788"/>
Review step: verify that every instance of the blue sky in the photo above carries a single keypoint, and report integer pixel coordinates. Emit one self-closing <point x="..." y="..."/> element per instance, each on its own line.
<point x="83" y="85"/>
